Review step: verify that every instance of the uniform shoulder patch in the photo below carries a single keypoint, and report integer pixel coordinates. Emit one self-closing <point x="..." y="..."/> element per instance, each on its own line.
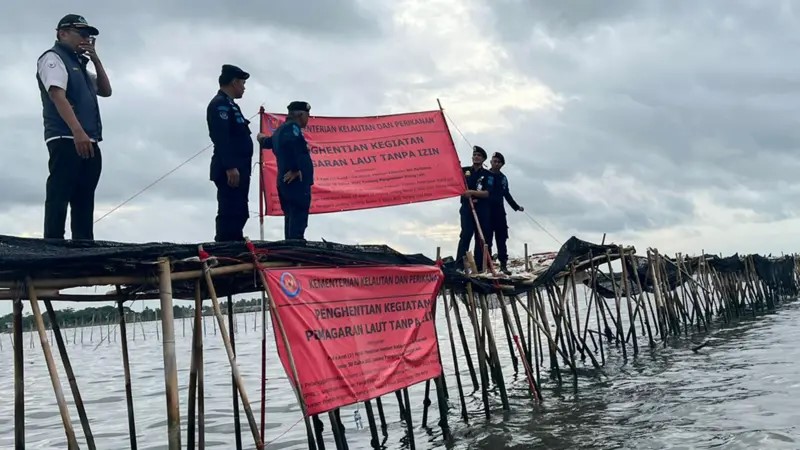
<point x="223" y="115"/>
<point x="222" y="107"/>
<point x="296" y="130"/>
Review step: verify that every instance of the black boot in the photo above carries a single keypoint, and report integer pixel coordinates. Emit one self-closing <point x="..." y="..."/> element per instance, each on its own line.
<point x="504" y="269"/>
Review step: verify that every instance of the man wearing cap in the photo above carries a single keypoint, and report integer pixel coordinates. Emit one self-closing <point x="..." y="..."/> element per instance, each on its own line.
<point x="232" y="159"/>
<point x="295" y="169"/>
<point x="72" y="126"/>
<point x="477" y="193"/>
<point x="498" y="191"/>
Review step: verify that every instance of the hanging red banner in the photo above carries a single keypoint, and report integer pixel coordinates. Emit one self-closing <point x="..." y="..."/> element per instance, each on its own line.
<point x="356" y="333"/>
<point x="371" y="162"/>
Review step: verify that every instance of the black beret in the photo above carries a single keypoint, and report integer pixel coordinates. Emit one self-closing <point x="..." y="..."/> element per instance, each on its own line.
<point x="231" y="72"/>
<point x="479" y="150"/>
<point x="299" y="106"/>
<point x="500" y="157"/>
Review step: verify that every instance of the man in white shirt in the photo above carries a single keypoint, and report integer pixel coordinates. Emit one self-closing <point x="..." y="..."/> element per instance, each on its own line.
<point x="72" y="126"/>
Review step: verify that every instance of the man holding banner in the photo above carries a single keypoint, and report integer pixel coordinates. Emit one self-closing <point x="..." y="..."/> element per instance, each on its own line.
<point x="478" y="194"/>
<point x="295" y="169"/>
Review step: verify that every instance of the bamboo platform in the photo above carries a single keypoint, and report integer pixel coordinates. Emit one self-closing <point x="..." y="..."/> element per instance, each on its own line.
<point x="646" y="301"/>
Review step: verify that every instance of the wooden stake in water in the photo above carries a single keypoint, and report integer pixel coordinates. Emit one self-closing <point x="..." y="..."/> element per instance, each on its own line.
<point x="73" y="383"/>
<point x="72" y="443"/>
<point x="194" y="365"/>
<point x="127" y="369"/>
<point x="455" y="360"/>
<point x="170" y="360"/>
<point x="19" y="379"/>
<point x="232" y="332"/>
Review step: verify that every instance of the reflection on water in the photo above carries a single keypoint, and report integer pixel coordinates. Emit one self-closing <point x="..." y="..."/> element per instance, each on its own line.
<point x="740" y="391"/>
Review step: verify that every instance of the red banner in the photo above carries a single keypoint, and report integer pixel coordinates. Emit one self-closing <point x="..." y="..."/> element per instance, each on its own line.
<point x="356" y="333"/>
<point x="371" y="162"/>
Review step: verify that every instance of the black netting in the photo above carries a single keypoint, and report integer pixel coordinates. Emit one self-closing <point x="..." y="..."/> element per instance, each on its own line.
<point x="778" y="274"/>
<point x="574" y="250"/>
<point x="39" y="258"/>
<point x="641" y="267"/>
<point x="731" y="264"/>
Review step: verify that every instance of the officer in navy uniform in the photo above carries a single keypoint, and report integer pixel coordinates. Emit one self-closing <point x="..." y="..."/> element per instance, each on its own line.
<point x="72" y="126"/>
<point x="295" y="169"/>
<point x="477" y="192"/>
<point x="498" y="192"/>
<point x="231" y="162"/>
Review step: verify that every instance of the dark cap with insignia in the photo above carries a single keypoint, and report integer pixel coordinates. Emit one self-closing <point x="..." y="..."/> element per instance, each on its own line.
<point x="230" y="73"/>
<point x="477" y="149"/>
<point x="299" y="106"/>
<point x="76" y="21"/>
<point x="499" y="157"/>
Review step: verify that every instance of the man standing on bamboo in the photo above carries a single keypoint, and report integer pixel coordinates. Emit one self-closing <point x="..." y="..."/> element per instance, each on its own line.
<point x="72" y="127"/>
<point x="498" y="192"/>
<point x="477" y="195"/>
<point x="232" y="160"/>
<point x="295" y="169"/>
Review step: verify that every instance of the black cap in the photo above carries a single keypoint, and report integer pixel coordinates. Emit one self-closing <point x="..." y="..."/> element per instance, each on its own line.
<point x="299" y="106"/>
<point x="500" y="157"/>
<point x="480" y="150"/>
<point x="76" y="21"/>
<point x="231" y="72"/>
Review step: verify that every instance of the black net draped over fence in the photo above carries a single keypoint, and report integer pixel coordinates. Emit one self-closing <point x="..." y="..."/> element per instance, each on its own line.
<point x="58" y="259"/>
<point x="574" y="251"/>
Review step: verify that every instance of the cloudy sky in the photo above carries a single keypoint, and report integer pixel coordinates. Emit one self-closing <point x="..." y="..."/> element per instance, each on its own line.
<point x="664" y="124"/>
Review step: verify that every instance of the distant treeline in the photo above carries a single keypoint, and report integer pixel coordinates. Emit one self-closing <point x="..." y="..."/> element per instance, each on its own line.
<point x="69" y="317"/>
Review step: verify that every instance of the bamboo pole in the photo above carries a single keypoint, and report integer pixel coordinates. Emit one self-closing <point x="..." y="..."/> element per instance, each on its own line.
<point x="537" y="338"/>
<point x="19" y="379"/>
<point x="193" y="366"/>
<point x="620" y="333"/>
<point x="232" y="332"/>
<point x="530" y="325"/>
<point x="72" y="443"/>
<point x="464" y="343"/>
<point x="551" y="343"/>
<point x="64" y="283"/>
<point x="577" y="313"/>
<point x="73" y="383"/>
<point x="517" y="335"/>
<point x="231" y="355"/>
<point x="627" y="291"/>
<point x="373" y="427"/>
<point x="481" y="354"/>
<point x="201" y="398"/>
<point x="170" y="361"/>
<point x="464" y="414"/>
<point x="127" y="369"/>
<point x="643" y="301"/>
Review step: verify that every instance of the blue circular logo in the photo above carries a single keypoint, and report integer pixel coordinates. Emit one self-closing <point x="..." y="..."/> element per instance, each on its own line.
<point x="289" y="285"/>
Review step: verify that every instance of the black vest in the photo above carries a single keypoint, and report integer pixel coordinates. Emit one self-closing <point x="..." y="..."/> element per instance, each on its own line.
<point x="81" y="94"/>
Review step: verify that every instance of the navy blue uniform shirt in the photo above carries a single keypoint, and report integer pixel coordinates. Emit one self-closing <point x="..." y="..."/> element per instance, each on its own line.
<point x="230" y="133"/>
<point x="498" y="191"/>
<point x="292" y="153"/>
<point x="477" y="180"/>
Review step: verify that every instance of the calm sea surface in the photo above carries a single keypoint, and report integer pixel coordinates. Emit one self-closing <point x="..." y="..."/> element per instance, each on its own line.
<point x="742" y="390"/>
